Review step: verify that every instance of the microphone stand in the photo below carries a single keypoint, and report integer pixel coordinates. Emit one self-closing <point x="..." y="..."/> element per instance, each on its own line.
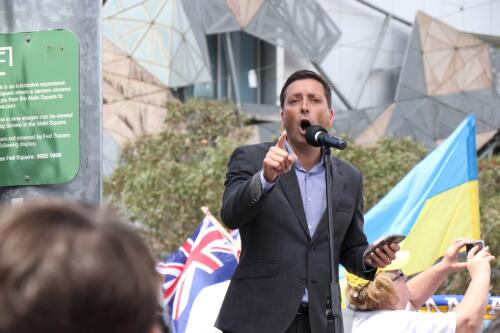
<point x="333" y="308"/>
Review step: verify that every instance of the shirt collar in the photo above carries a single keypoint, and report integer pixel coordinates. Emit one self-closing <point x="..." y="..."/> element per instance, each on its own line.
<point x="317" y="168"/>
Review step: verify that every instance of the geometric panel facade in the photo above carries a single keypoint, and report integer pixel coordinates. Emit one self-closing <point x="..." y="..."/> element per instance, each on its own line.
<point x="495" y="66"/>
<point x="412" y="83"/>
<point x="356" y="122"/>
<point x="446" y="75"/>
<point x="130" y="81"/>
<point x="244" y="10"/>
<point x="425" y="119"/>
<point x="457" y="74"/>
<point x="213" y="17"/>
<point x="376" y="130"/>
<point x="299" y="26"/>
<point x="134" y="101"/>
<point x="454" y="61"/>
<point x="430" y="120"/>
<point x="157" y="34"/>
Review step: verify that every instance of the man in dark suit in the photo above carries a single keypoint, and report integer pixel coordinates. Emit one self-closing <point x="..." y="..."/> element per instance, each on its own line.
<point x="275" y="195"/>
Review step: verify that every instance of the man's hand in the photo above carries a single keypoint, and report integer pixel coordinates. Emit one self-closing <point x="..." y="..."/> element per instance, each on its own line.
<point x="277" y="160"/>
<point x="382" y="256"/>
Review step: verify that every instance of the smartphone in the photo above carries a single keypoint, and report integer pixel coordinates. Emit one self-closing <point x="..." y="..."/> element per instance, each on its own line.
<point x="471" y="244"/>
<point x="387" y="240"/>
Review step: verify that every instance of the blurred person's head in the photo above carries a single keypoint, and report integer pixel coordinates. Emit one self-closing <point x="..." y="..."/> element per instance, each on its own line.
<point x="388" y="291"/>
<point x="66" y="267"/>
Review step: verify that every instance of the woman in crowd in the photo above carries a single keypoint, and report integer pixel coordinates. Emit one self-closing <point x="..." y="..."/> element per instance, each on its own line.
<point x="389" y="303"/>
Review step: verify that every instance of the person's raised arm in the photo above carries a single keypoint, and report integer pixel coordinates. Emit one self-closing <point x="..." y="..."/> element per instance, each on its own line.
<point x="471" y="310"/>
<point x="423" y="286"/>
<point x="244" y="188"/>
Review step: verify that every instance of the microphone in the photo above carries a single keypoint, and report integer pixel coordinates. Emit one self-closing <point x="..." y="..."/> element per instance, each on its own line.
<point x="317" y="136"/>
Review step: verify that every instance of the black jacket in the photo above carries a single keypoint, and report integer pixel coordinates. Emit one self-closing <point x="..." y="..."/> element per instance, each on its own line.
<point x="279" y="259"/>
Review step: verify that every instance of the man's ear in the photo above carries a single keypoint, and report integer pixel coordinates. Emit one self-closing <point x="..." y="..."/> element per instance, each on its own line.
<point x="331" y="114"/>
<point x="282" y="120"/>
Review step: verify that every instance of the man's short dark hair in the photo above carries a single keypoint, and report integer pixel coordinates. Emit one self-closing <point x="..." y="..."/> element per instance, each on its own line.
<point x="68" y="267"/>
<point x="302" y="75"/>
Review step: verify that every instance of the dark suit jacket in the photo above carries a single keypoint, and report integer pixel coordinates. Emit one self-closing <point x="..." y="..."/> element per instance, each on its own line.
<point x="279" y="259"/>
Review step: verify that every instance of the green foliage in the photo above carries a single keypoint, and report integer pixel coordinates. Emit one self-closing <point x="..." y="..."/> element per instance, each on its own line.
<point x="489" y="195"/>
<point x="162" y="181"/>
<point x="383" y="165"/>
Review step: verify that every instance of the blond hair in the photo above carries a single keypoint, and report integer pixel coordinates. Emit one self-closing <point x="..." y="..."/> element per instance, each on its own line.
<point x="378" y="294"/>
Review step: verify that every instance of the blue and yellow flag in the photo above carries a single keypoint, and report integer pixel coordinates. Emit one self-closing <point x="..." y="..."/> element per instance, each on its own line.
<point x="435" y="203"/>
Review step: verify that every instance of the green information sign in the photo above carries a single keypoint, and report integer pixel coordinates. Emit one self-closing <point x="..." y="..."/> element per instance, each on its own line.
<point x="39" y="108"/>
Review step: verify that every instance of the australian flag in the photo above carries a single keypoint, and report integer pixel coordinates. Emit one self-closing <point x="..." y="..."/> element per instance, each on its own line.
<point x="206" y="258"/>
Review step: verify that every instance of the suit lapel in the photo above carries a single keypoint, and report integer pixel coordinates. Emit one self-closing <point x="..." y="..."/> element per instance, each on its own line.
<point x="338" y="188"/>
<point x="291" y="189"/>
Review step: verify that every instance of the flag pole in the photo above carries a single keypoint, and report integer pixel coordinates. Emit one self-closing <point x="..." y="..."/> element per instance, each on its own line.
<point x="223" y="230"/>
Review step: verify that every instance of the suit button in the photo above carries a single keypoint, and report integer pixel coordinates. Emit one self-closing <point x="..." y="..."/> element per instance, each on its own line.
<point x="303" y="281"/>
<point x="312" y="249"/>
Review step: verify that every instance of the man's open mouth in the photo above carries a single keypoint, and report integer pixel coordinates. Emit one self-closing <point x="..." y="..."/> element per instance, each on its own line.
<point x="304" y="125"/>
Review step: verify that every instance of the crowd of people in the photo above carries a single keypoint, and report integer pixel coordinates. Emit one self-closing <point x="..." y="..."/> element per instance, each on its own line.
<point x="72" y="267"/>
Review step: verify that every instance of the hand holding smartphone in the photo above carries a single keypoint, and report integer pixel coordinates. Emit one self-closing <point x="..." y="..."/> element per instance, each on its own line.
<point x="471" y="244"/>
<point x="387" y="240"/>
<point x="462" y="255"/>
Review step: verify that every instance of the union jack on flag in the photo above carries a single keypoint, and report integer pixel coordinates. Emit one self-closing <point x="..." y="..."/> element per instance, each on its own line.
<point x="205" y="258"/>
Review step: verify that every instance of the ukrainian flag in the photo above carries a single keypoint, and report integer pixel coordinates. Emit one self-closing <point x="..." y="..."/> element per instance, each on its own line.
<point x="435" y="203"/>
